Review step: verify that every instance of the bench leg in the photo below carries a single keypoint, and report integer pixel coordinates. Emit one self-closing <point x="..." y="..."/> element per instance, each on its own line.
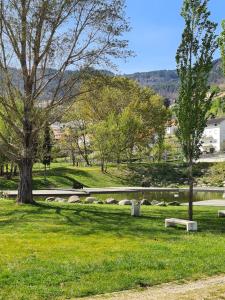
<point x="192" y="227"/>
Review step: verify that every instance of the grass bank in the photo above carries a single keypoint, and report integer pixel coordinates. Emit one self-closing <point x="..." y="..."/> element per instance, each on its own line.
<point x="138" y="174"/>
<point x="59" y="251"/>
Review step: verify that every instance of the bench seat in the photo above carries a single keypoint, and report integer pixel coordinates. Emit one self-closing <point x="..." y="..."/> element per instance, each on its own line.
<point x="190" y="225"/>
<point x="221" y="213"/>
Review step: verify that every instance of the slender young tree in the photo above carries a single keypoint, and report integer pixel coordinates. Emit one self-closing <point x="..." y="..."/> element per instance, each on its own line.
<point x="40" y="42"/>
<point x="222" y="45"/>
<point x="194" y="61"/>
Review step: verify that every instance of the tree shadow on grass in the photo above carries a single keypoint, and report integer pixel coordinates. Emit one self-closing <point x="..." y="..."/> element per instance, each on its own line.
<point x="84" y="220"/>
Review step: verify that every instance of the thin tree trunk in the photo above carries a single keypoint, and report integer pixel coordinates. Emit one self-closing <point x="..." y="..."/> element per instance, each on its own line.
<point x="25" y="185"/>
<point x="15" y="170"/>
<point x="2" y="170"/>
<point x="45" y="176"/>
<point x="6" y="170"/>
<point x="191" y="182"/>
<point x="102" y="165"/>
<point x="73" y="158"/>
<point x="11" y="171"/>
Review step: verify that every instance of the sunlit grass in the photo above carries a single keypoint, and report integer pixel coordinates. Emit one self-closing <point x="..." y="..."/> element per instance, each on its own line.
<point x="54" y="251"/>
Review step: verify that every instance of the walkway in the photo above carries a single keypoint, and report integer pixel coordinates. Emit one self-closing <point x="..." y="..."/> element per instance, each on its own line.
<point x="215" y="202"/>
<point x="88" y="191"/>
<point x="211" y="289"/>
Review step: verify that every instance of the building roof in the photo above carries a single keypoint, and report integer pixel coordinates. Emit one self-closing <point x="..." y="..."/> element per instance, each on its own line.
<point x="215" y="121"/>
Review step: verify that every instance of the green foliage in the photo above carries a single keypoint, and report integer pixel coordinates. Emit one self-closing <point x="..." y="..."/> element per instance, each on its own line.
<point x="194" y="62"/>
<point x="218" y="107"/>
<point x="121" y="117"/>
<point x="222" y="45"/>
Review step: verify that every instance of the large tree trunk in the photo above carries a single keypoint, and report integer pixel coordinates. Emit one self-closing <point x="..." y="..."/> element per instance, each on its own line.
<point x="191" y="183"/>
<point x="25" y="185"/>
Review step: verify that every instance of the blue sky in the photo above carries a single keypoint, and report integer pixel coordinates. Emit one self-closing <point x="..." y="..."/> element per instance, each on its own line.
<point x="156" y="33"/>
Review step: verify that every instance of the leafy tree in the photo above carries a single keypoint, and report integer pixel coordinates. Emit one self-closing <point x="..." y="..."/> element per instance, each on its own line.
<point x="76" y="135"/>
<point x="194" y="61"/>
<point x="45" y="39"/>
<point x="222" y="45"/>
<point x="102" y="143"/>
<point x="125" y="106"/>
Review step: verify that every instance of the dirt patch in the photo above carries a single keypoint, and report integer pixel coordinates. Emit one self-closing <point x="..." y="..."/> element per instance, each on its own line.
<point x="206" y="289"/>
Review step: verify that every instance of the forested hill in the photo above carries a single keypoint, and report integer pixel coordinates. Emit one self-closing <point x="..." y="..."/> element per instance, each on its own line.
<point x="165" y="82"/>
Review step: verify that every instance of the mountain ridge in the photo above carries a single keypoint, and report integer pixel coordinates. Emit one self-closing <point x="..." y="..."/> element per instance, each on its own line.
<point x="166" y="82"/>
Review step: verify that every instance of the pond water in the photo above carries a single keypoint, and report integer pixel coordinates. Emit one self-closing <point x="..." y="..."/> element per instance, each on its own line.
<point x="161" y="196"/>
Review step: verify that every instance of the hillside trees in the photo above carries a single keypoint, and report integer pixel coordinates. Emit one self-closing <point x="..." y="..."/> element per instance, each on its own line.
<point x="43" y="39"/>
<point x="194" y="61"/>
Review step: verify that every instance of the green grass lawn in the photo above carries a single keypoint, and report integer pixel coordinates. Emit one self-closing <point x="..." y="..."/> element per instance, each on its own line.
<point x="61" y="251"/>
<point x="63" y="175"/>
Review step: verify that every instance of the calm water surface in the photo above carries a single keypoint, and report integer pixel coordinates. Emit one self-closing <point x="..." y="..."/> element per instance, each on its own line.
<point x="161" y="196"/>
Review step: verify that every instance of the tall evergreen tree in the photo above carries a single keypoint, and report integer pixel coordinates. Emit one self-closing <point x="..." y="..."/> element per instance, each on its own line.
<point x="194" y="61"/>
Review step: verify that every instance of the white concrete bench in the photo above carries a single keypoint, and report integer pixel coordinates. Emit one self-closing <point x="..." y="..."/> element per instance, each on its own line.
<point x="221" y="213"/>
<point x="190" y="225"/>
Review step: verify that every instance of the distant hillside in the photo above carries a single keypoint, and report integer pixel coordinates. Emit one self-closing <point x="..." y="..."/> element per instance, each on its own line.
<point x="165" y="82"/>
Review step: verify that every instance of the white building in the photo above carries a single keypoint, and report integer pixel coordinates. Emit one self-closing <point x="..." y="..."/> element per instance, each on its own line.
<point x="214" y="136"/>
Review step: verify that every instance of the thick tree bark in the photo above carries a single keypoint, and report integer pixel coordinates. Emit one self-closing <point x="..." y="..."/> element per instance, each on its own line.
<point x="25" y="195"/>
<point x="191" y="183"/>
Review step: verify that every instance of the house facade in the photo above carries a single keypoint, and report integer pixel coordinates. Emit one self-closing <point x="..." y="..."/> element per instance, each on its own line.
<point x="213" y="139"/>
<point x="214" y="136"/>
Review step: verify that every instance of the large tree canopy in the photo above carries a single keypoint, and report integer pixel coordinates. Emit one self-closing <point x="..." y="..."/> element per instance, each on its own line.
<point x="119" y="117"/>
<point x="44" y="40"/>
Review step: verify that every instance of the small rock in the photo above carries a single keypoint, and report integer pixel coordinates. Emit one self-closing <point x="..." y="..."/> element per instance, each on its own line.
<point x="174" y="203"/>
<point x="111" y="201"/>
<point x="161" y="204"/>
<point x="154" y="202"/>
<point x="98" y="202"/>
<point x="145" y="202"/>
<point x="60" y="199"/>
<point x="90" y="200"/>
<point x="50" y="199"/>
<point x="74" y="199"/>
<point x="125" y="202"/>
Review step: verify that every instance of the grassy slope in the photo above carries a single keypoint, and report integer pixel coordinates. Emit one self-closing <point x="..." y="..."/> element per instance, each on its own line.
<point x="53" y="251"/>
<point x="63" y="175"/>
<point x="154" y="174"/>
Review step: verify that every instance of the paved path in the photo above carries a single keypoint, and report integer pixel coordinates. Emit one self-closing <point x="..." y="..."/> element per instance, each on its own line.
<point x="211" y="289"/>
<point x="48" y="193"/>
<point x="215" y="202"/>
<point x="86" y="191"/>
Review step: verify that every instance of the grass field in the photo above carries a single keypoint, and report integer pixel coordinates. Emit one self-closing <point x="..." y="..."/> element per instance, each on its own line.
<point x="60" y="251"/>
<point x="64" y="174"/>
